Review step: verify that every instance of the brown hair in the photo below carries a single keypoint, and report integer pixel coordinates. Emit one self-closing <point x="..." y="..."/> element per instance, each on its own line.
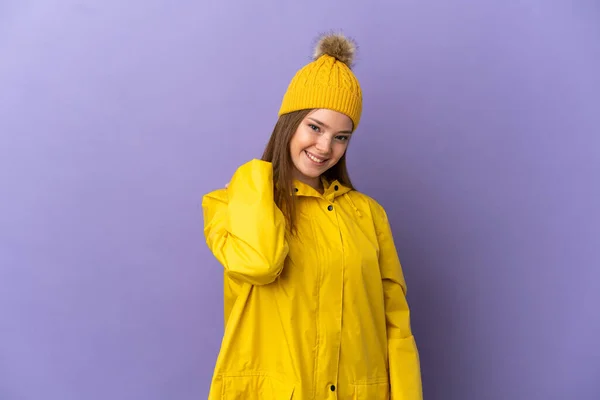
<point x="277" y="152"/>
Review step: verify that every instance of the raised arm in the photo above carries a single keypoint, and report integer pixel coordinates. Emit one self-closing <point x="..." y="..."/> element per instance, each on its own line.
<point x="244" y="228"/>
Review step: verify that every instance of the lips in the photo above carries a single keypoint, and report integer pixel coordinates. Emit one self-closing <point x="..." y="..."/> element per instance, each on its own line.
<point x="314" y="158"/>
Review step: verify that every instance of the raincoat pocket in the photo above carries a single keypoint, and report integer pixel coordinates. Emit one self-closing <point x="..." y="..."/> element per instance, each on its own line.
<point x="379" y="390"/>
<point x="256" y="387"/>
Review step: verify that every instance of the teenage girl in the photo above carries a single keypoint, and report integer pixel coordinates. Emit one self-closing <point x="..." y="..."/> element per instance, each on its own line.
<point x="315" y="297"/>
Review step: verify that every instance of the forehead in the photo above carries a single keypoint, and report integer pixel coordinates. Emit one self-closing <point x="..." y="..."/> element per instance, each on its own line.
<point x="336" y="120"/>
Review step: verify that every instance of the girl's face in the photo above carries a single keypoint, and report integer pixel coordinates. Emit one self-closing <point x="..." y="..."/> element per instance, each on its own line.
<point x="318" y="144"/>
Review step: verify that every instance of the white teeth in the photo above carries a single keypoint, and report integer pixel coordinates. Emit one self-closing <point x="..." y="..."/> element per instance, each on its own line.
<point x="315" y="159"/>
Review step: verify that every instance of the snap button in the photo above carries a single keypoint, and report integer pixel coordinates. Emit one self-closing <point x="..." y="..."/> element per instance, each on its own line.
<point x="332" y="387"/>
<point x="330" y="207"/>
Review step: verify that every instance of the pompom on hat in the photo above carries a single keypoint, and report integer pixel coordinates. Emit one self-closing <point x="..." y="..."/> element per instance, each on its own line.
<point x="328" y="81"/>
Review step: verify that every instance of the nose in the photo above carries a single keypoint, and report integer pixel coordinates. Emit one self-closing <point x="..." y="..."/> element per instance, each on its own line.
<point x="323" y="144"/>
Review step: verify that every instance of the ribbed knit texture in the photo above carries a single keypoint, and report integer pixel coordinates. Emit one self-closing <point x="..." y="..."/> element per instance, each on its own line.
<point x="324" y="83"/>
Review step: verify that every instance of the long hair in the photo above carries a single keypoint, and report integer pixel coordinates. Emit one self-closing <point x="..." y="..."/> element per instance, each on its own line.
<point x="277" y="152"/>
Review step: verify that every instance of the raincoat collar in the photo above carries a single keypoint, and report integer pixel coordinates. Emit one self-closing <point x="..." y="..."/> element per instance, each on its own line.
<point x="331" y="190"/>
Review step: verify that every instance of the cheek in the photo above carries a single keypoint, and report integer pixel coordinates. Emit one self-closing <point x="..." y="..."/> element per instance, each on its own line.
<point x="339" y="149"/>
<point x="294" y="143"/>
<point x="300" y="141"/>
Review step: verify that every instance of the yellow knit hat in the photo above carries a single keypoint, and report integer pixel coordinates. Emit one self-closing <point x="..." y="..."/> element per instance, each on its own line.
<point x="327" y="81"/>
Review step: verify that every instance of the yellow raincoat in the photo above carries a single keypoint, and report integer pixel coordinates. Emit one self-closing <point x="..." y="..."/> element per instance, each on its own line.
<point x="320" y="315"/>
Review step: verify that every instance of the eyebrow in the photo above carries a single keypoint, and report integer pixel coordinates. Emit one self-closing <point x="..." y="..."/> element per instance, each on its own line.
<point x="324" y="125"/>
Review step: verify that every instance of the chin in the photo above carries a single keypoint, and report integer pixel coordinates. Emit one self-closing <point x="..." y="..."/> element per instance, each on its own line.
<point x="315" y="171"/>
<point x="312" y="174"/>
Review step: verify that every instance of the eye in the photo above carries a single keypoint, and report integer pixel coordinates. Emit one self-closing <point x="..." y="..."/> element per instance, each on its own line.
<point x="313" y="127"/>
<point x="342" y="138"/>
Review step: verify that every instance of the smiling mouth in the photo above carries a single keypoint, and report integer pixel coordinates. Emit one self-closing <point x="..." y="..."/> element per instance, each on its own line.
<point x="314" y="158"/>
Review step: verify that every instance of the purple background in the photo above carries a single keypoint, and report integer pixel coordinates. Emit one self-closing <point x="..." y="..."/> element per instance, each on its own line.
<point x="480" y="135"/>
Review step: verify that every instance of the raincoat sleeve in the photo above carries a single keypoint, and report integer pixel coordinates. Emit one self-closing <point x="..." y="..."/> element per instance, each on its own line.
<point x="403" y="356"/>
<point x="244" y="228"/>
